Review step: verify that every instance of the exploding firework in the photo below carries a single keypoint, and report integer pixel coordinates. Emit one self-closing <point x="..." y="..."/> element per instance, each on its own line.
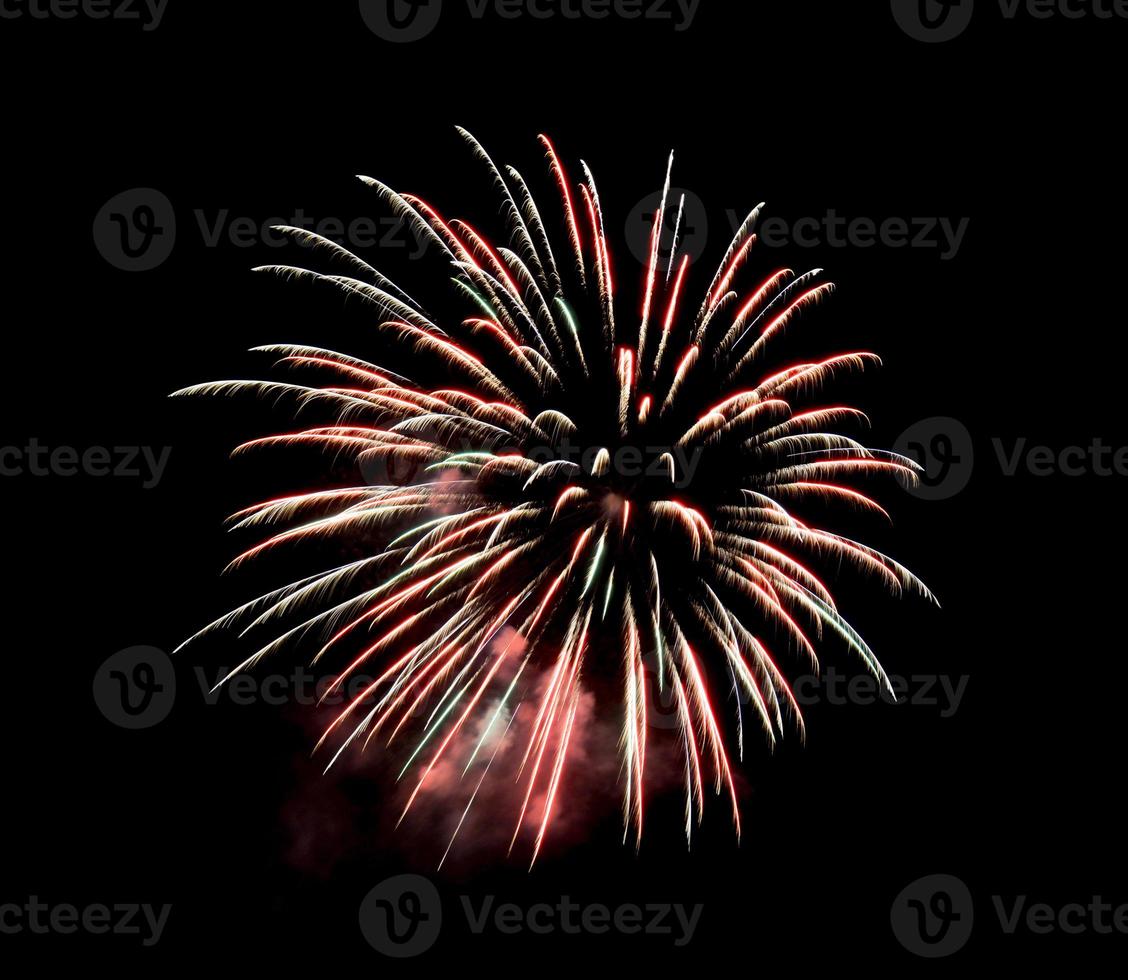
<point x="500" y="576"/>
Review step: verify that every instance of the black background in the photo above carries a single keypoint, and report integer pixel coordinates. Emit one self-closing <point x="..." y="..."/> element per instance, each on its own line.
<point x="264" y="108"/>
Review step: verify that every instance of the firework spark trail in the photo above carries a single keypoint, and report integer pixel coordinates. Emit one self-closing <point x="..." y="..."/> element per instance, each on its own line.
<point x="580" y="563"/>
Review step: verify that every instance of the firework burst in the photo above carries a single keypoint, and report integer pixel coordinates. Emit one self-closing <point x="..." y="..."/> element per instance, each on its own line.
<point x="505" y="575"/>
